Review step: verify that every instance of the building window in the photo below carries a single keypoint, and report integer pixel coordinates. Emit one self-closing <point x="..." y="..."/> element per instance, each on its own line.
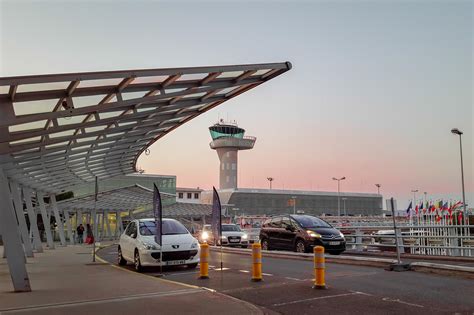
<point x="223" y="165"/>
<point x="190" y="195"/>
<point x="227" y="179"/>
<point x="180" y="195"/>
<point x="196" y="195"/>
<point x="234" y="166"/>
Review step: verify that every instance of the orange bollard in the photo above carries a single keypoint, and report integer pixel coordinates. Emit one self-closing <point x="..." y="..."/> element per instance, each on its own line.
<point x="319" y="268"/>
<point x="256" y="262"/>
<point x="204" y="262"/>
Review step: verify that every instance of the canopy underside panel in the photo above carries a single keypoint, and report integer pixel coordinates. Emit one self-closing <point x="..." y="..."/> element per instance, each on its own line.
<point x="62" y="130"/>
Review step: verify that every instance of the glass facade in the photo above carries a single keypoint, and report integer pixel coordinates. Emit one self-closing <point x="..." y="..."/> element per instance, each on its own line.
<point x="219" y="131"/>
<point x="165" y="183"/>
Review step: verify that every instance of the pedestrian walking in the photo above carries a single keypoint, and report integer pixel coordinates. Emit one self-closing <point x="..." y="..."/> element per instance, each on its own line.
<point x="80" y="234"/>
<point x="89" y="234"/>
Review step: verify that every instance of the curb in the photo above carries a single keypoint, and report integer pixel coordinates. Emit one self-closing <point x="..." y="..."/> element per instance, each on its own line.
<point x="349" y="260"/>
<point x="442" y="269"/>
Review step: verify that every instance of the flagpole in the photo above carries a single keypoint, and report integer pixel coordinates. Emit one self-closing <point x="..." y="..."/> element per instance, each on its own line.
<point x="220" y="228"/>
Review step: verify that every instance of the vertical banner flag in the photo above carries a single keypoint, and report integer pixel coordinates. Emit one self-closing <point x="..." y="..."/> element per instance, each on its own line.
<point x="409" y="209"/>
<point x="216" y="216"/>
<point x="158" y="213"/>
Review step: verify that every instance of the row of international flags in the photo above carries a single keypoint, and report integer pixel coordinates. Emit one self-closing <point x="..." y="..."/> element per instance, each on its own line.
<point x="437" y="209"/>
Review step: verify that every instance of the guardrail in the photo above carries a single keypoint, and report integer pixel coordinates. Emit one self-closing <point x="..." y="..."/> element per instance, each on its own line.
<point x="449" y="240"/>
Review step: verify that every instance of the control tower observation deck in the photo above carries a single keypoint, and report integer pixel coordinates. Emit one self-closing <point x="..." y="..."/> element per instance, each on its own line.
<point x="227" y="139"/>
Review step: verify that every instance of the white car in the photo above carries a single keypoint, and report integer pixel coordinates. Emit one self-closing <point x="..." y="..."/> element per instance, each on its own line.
<point x="137" y="244"/>
<point x="232" y="235"/>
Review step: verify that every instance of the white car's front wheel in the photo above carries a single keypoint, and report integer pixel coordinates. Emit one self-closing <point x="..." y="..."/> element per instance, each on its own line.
<point x="121" y="261"/>
<point x="136" y="261"/>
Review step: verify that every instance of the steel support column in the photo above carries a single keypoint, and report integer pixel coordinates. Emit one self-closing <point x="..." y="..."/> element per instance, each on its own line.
<point x="107" y="224"/>
<point x="46" y="220"/>
<point x="59" y="222"/>
<point x="11" y="238"/>
<point x="33" y="220"/>
<point x="68" y="226"/>
<point x="20" y="215"/>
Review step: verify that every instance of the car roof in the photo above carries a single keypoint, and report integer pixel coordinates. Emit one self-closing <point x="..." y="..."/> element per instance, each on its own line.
<point x="152" y="219"/>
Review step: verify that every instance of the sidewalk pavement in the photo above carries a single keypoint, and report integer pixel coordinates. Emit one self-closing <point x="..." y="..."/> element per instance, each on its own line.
<point x="65" y="281"/>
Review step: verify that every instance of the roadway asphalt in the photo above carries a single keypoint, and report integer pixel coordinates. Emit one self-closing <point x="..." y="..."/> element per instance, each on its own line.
<point x="286" y="288"/>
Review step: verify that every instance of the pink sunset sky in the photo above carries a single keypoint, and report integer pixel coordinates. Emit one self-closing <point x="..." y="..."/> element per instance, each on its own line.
<point x="375" y="88"/>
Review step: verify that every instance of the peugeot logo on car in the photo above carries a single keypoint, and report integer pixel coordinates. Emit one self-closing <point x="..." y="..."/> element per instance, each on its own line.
<point x="175" y="246"/>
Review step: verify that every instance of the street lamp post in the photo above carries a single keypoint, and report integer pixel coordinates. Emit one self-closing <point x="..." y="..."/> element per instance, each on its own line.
<point x="338" y="194"/>
<point x="424" y="200"/>
<point x="378" y="188"/>
<point x="344" y="200"/>
<point x="270" y="179"/>
<point x="458" y="132"/>
<point x="294" y="204"/>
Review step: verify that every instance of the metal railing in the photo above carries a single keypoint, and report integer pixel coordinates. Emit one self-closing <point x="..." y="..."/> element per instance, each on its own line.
<point x="444" y="240"/>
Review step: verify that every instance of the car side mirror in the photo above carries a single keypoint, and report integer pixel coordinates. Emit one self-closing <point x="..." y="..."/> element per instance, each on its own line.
<point x="133" y="235"/>
<point x="290" y="228"/>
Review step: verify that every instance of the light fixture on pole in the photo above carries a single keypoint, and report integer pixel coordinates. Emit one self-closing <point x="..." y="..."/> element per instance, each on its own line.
<point x="270" y="179"/>
<point x="458" y="132"/>
<point x="339" y="194"/>
<point x="378" y="188"/>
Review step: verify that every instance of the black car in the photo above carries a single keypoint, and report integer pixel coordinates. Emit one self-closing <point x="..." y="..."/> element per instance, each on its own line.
<point x="301" y="233"/>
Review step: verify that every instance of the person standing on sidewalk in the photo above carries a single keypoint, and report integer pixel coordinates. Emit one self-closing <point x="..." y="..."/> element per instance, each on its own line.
<point x="80" y="233"/>
<point x="89" y="235"/>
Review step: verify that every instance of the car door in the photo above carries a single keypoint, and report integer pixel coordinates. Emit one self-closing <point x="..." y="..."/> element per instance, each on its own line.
<point x="287" y="234"/>
<point x="273" y="233"/>
<point x="128" y="241"/>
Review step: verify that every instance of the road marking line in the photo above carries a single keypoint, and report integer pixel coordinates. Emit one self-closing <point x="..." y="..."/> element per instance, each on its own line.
<point x="100" y="301"/>
<point x="223" y="269"/>
<point x="296" y="279"/>
<point x="386" y="299"/>
<point x="315" y="298"/>
<point x="244" y="271"/>
<point x="267" y="274"/>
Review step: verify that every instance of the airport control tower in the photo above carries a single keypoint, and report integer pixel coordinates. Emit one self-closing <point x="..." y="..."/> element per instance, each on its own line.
<point x="227" y="139"/>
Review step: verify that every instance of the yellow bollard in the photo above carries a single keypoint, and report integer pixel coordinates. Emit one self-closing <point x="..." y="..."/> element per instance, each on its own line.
<point x="256" y="262"/>
<point x="319" y="268"/>
<point x="204" y="262"/>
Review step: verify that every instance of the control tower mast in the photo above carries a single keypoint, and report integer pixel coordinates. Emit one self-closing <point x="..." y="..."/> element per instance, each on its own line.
<point x="227" y="140"/>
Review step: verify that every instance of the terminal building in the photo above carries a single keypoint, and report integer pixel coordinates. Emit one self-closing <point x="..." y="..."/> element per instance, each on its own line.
<point x="248" y="201"/>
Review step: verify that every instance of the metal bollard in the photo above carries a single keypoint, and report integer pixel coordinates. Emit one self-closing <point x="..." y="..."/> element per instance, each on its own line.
<point x="319" y="268"/>
<point x="204" y="262"/>
<point x="256" y="262"/>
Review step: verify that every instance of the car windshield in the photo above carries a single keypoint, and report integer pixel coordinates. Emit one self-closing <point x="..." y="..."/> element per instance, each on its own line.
<point x="309" y="222"/>
<point x="230" y="228"/>
<point x="170" y="227"/>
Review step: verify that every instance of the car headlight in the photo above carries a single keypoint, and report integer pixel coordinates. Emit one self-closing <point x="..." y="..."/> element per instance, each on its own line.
<point x="204" y="236"/>
<point x="149" y="246"/>
<point x="313" y="234"/>
<point x="223" y="237"/>
<point x="194" y="245"/>
<point x="244" y="237"/>
<point x="341" y="235"/>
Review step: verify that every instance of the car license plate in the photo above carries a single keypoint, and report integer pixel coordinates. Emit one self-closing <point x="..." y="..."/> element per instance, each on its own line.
<point x="334" y="243"/>
<point x="234" y="240"/>
<point x="175" y="262"/>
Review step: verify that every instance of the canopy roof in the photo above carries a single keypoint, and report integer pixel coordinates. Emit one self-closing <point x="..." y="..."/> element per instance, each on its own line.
<point x="120" y="199"/>
<point x="61" y="130"/>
